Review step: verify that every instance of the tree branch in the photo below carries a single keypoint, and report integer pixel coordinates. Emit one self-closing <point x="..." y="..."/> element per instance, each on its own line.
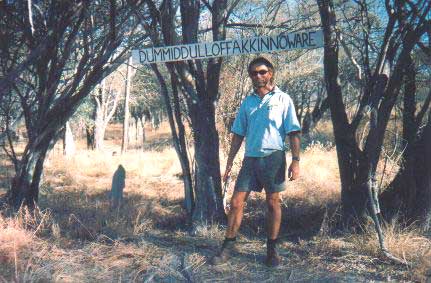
<point x="424" y="109"/>
<point x="207" y="4"/>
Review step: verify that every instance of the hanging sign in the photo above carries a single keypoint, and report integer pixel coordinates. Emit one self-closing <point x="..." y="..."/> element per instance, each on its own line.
<point x="260" y="44"/>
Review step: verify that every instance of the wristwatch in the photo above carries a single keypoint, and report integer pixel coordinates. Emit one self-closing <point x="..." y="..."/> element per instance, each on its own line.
<point x="296" y="158"/>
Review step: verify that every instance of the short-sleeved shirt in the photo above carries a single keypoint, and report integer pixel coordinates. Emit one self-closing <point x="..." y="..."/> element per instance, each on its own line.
<point x="265" y="122"/>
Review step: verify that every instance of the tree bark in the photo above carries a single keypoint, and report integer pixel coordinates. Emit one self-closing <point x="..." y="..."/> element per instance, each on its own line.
<point x="125" y="140"/>
<point x="99" y="123"/>
<point x="209" y="202"/>
<point x="89" y="134"/>
<point x="99" y="134"/>
<point x="25" y="184"/>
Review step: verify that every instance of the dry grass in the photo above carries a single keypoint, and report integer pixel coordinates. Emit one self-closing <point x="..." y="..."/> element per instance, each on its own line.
<point x="76" y="237"/>
<point x="408" y="243"/>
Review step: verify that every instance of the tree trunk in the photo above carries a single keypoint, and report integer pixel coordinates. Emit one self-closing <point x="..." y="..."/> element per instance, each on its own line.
<point x="68" y="142"/>
<point x="142" y="119"/>
<point x="136" y="124"/>
<point x="25" y="185"/>
<point x="409" y="194"/>
<point x="201" y="88"/>
<point x="189" y="201"/>
<point x="306" y="124"/>
<point x="421" y="210"/>
<point x="354" y="195"/>
<point x="99" y="123"/>
<point x="353" y="173"/>
<point x="89" y="132"/>
<point x="99" y="135"/>
<point x="154" y="121"/>
<point x="125" y="141"/>
<point x="208" y="192"/>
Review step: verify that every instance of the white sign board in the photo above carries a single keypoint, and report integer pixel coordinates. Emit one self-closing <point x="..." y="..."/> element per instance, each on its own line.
<point x="261" y="44"/>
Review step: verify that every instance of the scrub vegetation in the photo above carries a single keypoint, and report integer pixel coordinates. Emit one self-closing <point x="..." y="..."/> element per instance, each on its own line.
<point x="74" y="235"/>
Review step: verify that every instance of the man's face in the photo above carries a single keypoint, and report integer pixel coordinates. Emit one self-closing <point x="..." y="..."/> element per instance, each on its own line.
<point x="260" y="75"/>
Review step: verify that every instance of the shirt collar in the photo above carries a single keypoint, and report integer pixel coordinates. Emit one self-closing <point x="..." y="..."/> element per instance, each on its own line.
<point x="274" y="90"/>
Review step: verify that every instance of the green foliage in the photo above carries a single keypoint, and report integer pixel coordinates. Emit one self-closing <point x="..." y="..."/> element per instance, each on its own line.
<point x="85" y="112"/>
<point x="146" y="99"/>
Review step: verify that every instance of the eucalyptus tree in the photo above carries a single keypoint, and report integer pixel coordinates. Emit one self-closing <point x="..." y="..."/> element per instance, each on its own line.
<point x="178" y="22"/>
<point x="379" y="41"/>
<point x="105" y="100"/>
<point x="409" y="194"/>
<point x="73" y="45"/>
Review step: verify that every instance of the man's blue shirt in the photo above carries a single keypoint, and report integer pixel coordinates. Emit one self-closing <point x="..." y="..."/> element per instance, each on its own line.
<point x="265" y="122"/>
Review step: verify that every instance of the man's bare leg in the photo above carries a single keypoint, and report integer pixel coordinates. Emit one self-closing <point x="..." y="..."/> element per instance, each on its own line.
<point x="274" y="215"/>
<point x="235" y="213"/>
<point x="274" y="221"/>
<point x="234" y="222"/>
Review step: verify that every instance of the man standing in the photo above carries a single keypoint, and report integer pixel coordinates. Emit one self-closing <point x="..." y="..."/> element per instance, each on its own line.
<point x="265" y="119"/>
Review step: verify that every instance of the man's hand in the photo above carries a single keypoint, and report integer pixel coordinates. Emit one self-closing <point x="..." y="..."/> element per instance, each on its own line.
<point x="293" y="172"/>
<point x="227" y="171"/>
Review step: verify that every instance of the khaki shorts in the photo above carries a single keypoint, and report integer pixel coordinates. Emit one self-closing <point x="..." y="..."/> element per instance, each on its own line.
<point x="267" y="172"/>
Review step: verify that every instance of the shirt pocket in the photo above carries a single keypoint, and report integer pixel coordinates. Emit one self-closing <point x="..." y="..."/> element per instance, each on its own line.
<point x="274" y="112"/>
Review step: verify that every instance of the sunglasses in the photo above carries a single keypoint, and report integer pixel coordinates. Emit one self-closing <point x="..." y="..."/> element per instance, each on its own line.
<point x="261" y="72"/>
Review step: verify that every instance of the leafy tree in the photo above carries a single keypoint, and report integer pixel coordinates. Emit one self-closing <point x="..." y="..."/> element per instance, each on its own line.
<point x="72" y="46"/>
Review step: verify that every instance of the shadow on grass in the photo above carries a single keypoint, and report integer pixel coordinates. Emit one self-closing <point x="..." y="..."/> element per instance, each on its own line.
<point x="82" y="214"/>
<point x="298" y="222"/>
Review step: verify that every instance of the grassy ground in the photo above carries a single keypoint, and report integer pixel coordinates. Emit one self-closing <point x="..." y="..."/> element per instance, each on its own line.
<point x="75" y="236"/>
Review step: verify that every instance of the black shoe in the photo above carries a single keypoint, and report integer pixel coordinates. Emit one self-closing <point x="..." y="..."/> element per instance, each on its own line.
<point x="227" y="250"/>
<point x="272" y="257"/>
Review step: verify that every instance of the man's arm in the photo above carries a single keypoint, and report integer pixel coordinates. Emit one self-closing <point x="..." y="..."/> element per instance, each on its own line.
<point x="234" y="147"/>
<point x="295" y="145"/>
